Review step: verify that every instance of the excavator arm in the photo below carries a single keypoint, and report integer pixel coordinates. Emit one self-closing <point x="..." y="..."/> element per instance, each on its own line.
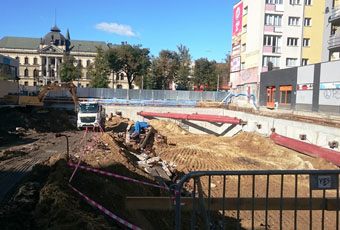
<point x="59" y="87"/>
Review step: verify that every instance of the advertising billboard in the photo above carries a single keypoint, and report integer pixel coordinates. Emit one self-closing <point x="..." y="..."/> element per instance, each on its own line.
<point x="236" y="38"/>
<point x="235" y="64"/>
<point x="237" y="19"/>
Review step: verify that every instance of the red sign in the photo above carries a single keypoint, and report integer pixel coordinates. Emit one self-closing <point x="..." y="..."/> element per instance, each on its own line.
<point x="237" y="19"/>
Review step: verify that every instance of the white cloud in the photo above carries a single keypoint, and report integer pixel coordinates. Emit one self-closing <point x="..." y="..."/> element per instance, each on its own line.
<point x="115" y="28"/>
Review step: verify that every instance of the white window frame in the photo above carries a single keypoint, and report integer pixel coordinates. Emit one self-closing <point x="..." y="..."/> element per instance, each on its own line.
<point x="245" y="10"/>
<point x="308" y="2"/>
<point x="292" y="41"/>
<point x="291" y="62"/>
<point x="294" y="2"/>
<point x="244" y="47"/>
<point x="273" y="20"/>
<point x="307" y="22"/>
<point x="304" y="61"/>
<point x="273" y="59"/>
<point x="306" y="42"/>
<point x="293" y="21"/>
<point x="277" y="2"/>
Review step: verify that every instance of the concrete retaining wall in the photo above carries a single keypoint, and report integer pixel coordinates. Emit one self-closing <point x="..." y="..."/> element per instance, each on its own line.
<point x="316" y="134"/>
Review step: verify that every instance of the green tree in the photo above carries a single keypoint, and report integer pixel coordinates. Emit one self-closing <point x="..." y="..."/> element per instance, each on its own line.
<point x="223" y="70"/>
<point x="68" y="72"/>
<point x="205" y="73"/>
<point x="154" y="81"/>
<point x="99" y="70"/>
<point x="181" y="78"/>
<point x="166" y="67"/>
<point x="132" y="60"/>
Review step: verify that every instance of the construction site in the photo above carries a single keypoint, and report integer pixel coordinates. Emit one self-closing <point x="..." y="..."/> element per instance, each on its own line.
<point x="211" y="166"/>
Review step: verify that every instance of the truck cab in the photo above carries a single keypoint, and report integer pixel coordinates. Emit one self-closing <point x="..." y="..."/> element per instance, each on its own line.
<point x="90" y="114"/>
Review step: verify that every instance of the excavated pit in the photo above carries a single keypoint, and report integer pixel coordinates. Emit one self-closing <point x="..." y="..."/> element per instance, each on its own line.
<point x="43" y="199"/>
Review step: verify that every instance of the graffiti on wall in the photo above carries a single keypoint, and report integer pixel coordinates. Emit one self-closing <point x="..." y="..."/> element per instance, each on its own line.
<point x="330" y="94"/>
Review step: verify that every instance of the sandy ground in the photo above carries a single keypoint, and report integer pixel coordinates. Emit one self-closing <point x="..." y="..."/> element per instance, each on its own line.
<point x="53" y="205"/>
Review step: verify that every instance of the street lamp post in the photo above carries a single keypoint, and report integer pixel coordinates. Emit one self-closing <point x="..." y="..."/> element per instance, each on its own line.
<point x="218" y="82"/>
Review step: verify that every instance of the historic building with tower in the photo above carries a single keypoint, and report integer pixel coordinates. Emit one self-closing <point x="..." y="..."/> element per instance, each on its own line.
<point x="40" y="58"/>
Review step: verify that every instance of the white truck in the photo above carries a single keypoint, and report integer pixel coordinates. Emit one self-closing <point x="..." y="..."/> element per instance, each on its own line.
<point x="90" y="114"/>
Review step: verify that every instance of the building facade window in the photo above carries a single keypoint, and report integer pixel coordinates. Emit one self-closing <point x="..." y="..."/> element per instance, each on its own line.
<point x="245" y="28"/>
<point x="245" y="10"/>
<point x="293" y="21"/>
<point x="26" y="83"/>
<point x="273" y="20"/>
<point x="122" y="76"/>
<point x="292" y="41"/>
<point x="88" y="63"/>
<point x="17" y="58"/>
<point x="308" y="22"/>
<point x="274" y="2"/>
<point x="306" y="42"/>
<point x="119" y="86"/>
<point x="273" y="41"/>
<point x="87" y="75"/>
<point x="304" y="61"/>
<point x="117" y="76"/>
<point x="244" y="47"/>
<point x="272" y="59"/>
<point x="286" y="94"/>
<point x="26" y="60"/>
<point x="291" y="62"/>
<point x="294" y="2"/>
<point x="35" y="73"/>
<point x="308" y="2"/>
<point x="35" y="61"/>
<point x="26" y="72"/>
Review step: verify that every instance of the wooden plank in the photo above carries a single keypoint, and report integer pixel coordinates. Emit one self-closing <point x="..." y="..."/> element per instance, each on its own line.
<point x="167" y="203"/>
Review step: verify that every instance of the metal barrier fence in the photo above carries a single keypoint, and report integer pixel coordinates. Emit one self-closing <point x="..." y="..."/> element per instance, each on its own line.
<point x="285" y="199"/>
<point x="136" y="94"/>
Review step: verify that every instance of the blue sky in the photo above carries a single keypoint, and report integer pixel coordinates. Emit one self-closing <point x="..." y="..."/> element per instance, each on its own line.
<point x="204" y="26"/>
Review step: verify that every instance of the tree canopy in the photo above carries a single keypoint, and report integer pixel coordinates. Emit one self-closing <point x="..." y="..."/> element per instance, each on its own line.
<point x="205" y="73"/>
<point x="68" y="72"/>
<point x="99" y="70"/>
<point x="133" y="60"/>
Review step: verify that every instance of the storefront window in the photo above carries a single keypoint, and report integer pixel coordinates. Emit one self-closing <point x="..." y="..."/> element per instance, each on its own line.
<point x="285" y="94"/>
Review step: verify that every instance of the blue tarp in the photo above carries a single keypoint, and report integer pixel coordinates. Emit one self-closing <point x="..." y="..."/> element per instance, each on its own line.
<point x="140" y="125"/>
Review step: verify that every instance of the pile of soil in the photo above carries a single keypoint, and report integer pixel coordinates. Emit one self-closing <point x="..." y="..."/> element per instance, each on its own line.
<point x="53" y="205"/>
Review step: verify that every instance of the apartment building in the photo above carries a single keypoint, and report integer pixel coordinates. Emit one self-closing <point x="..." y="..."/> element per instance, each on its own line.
<point x="278" y="34"/>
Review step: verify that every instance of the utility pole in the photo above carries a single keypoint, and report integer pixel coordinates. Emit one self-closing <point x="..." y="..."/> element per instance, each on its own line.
<point x="218" y="82"/>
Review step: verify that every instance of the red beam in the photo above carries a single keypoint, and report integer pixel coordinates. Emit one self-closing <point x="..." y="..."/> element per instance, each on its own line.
<point x="197" y="117"/>
<point x="307" y="148"/>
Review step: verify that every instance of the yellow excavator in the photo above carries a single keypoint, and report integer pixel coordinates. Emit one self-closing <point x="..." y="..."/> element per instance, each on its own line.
<point x="39" y="100"/>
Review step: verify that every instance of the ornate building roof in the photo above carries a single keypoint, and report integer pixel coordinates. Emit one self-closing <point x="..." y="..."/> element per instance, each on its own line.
<point x="54" y="37"/>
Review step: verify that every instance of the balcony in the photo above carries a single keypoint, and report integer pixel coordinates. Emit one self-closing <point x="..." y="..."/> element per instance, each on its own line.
<point x="335" y="16"/>
<point x="270" y="28"/>
<point x="272" y="49"/>
<point x="275" y="8"/>
<point x="270" y="7"/>
<point x="334" y="43"/>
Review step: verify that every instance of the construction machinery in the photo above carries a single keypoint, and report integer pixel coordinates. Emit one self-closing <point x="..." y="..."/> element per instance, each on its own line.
<point x="39" y="99"/>
<point x="90" y="114"/>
